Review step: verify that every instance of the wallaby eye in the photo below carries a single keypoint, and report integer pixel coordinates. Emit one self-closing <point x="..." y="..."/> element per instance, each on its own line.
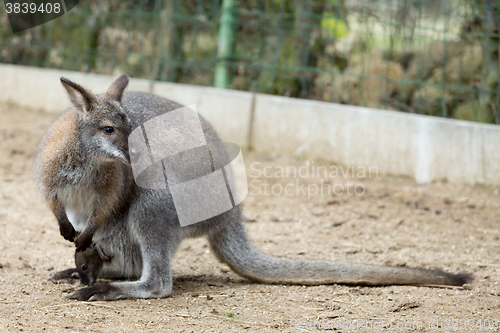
<point x="84" y="267"/>
<point x="108" y="130"/>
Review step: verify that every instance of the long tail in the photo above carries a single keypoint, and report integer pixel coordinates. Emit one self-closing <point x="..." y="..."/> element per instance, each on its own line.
<point x="231" y="246"/>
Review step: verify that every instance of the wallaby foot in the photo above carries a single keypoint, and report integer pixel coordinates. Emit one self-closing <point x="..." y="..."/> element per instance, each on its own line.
<point x="119" y="290"/>
<point x="101" y="292"/>
<point x="84" y="240"/>
<point x="66" y="276"/>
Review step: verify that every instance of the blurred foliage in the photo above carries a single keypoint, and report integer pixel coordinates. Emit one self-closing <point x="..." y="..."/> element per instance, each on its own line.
<point x="333" y="27"/>
<point x="437" y="58"/>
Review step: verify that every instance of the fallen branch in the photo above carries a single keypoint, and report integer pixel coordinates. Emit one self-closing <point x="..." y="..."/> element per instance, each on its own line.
<point x="77" y="303"/>
<point x="441" y="286"/>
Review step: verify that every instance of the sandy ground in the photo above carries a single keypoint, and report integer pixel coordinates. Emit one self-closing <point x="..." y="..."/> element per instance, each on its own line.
<point x="396" y="222"/>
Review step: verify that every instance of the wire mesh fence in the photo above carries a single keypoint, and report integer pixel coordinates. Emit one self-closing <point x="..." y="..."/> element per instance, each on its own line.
<point x="429" y="57"/>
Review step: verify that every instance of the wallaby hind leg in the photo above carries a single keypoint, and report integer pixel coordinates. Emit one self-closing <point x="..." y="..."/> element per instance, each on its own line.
<point x="156" y="281"/>
<point x="156" y="253"/>
<point x="152" y="288"/>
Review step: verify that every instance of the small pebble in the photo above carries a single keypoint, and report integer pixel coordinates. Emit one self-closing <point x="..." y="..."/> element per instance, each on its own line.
<point x="50" y="268"/>
<point x="438" y="212"/>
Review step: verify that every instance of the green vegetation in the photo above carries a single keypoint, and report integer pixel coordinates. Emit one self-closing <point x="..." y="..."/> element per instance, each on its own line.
<point x="229" y="314"/>
<point x="437" y="58"/>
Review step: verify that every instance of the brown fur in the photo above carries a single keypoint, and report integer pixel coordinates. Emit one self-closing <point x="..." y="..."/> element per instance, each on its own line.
<point x="77" y="159"/>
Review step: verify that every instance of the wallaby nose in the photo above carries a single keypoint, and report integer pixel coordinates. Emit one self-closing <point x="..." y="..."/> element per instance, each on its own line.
<point x="86" y="282"/>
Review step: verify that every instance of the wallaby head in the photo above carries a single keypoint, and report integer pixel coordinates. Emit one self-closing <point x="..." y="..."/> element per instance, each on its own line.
<point x="89" y="265"/>
<point x="103" y="125"/>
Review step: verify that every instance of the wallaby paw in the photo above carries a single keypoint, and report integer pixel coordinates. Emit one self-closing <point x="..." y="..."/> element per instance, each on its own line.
<point x="83" y="241"/>
<point x="67" y="231"/>
<point x="101" y="292"/>
<point x="66" y="276"/>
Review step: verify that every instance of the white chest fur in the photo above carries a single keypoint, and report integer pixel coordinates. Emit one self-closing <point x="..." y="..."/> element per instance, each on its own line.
<point x="78" y="221"/>
<point x="79" y="206"/>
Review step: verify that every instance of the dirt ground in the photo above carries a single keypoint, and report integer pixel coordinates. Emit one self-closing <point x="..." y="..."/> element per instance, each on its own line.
<point x="390" y="221"/>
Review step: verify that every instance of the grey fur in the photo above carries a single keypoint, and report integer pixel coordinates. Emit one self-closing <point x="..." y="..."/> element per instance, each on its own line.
<point x="143" y="238"/>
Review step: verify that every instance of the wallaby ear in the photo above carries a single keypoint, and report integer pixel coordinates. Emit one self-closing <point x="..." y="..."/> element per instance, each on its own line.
<point x="81" y="98"/>
<point x="115" y="91"/>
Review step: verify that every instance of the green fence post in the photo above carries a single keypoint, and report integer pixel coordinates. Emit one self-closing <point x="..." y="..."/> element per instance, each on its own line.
<point x="225" y="41"/>
<point x="490" y="71"/>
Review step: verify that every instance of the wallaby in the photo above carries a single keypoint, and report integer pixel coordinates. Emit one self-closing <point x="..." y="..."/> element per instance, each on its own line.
<point x="95" y="262"/>
<point x="84" y="173"/>
<point x="89" y="264"/>
<point x="80" y="167"/>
